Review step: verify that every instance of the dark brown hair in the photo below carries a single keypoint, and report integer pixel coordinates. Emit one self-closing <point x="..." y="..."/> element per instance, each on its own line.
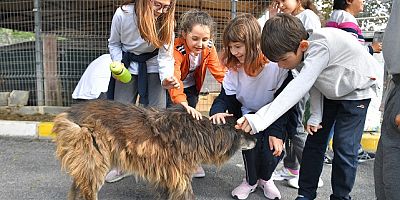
<point x="194" y="17"/>
<point x="340" y="4"/>
<point x="282" y="34"/>
<point x="309" y="4"/>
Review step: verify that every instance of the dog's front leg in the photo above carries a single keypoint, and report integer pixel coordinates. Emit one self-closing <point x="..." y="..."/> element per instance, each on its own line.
<point x="187" y="193"/>
<point x="72" y="192"/>
<point x="76" y="193"/>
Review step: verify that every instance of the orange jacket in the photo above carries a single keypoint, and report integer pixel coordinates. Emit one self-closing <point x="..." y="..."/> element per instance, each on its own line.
<point x="209" y="59"/>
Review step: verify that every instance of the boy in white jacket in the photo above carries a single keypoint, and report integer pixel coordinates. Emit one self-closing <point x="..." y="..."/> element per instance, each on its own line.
<point x="341" y="78"/>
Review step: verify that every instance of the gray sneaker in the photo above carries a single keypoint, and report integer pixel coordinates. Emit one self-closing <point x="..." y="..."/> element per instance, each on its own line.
<point x="365" y="156"/>
<point x="115" y="175"/>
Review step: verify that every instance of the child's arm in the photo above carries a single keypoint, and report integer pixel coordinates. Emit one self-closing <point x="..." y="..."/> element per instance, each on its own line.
<point x="226" y="100"/>
<point x="219" y="104"/>
<point x="214" y="66"/>
<point x="316" y="110"/>
<point x="375" y="47"/>
<point x="317" y="57"/>
<point x="114" y="42"/>
<point x="177" y="94"/>
<point x="224" y="103"/>
<point x="278" y="129"/>
<point x="273" y="9"/>
<point x="166" y="65"/>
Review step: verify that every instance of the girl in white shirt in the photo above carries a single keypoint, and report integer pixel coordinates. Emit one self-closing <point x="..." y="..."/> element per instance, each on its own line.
<point x="251" y="82"/>
<point x="142" y="36"/>
<point x="305" y="10"/>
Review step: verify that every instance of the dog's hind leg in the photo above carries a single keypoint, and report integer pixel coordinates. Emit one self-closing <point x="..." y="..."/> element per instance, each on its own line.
<point x="87" y="191"/>
<point x="84" y="156"/>
<point x="91" y="166"/>
<point x="73" y="192"/>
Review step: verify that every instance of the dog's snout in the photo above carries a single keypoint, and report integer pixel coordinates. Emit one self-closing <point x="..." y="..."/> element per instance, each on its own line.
<point x="247" y="142"/>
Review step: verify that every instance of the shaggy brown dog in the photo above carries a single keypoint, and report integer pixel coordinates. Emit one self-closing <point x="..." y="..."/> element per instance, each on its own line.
<point x="163" y="147"/>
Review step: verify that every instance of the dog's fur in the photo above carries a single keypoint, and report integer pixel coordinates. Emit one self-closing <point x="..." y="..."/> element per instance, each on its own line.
<point x="163" y="147"/>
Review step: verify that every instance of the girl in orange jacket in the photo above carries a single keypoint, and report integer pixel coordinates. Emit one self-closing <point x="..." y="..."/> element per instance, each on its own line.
<point x="194" y="52"/>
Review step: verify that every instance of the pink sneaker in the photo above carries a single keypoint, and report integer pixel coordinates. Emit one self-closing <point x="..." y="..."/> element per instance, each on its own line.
<point x="243" y="190"/>
<point x="115" y="175"/>
<point x="199" y="172"/>
<point x="270" y="189"/>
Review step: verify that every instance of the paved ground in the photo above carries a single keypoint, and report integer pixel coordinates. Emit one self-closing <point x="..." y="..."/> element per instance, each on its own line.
<point x="29" y="170"/>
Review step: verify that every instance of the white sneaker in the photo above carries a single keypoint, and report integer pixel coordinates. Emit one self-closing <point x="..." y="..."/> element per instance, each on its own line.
<point x="284" y="174"/>
<point x="115" y="175"/>
<point x="294" y="182"/>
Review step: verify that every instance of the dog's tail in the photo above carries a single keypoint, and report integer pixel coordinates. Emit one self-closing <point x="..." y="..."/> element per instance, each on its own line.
<point x="84" y="158"/>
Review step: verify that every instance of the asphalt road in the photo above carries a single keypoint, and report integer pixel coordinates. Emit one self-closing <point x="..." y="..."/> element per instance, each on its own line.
<point x="29" y="170"/>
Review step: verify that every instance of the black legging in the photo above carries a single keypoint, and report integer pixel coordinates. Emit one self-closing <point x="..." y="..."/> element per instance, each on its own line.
<point x="259" y="161"/>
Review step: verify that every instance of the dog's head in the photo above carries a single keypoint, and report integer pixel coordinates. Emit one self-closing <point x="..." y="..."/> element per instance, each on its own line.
<point x="247" y="141"/>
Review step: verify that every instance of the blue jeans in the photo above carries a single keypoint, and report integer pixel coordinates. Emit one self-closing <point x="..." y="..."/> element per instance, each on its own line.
<point x="349" y="117"/>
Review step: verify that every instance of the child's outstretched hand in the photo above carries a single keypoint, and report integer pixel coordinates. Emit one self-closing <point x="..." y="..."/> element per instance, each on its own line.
<point x="171" y="82"/>
<point x="219" y="118"/>
<point x="311" y="129"/>
<point x="273" y="9"/>
<point x="377" y="47"/>
<point x="275" y="144"/>
<point x="243" y="124"/>
<point x="195" y="114"/>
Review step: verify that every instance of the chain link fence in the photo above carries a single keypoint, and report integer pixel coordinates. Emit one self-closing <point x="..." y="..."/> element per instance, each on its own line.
<point x="45" y="45"/>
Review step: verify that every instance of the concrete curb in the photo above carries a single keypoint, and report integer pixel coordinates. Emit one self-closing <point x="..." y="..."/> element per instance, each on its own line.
<point x="26" y="129"/>
<point x="42" y="130"/>
<point x="18" y="128"/>
<point x="369" y="141"/>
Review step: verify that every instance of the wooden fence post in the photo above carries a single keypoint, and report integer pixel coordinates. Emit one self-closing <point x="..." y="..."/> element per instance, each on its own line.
<point x="52" y="87"/>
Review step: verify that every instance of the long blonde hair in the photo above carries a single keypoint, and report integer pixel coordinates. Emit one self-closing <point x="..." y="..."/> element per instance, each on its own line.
<point x="156" y="32"/>
<point x="244" y="28"/>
